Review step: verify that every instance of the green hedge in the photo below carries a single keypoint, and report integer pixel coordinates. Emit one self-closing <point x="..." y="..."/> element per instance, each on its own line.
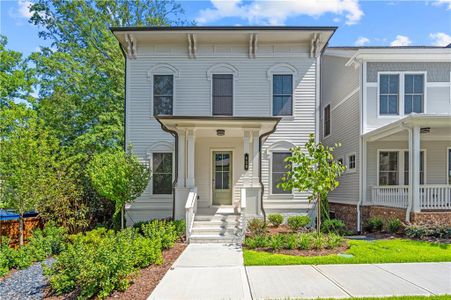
<point x="101" y="261"/>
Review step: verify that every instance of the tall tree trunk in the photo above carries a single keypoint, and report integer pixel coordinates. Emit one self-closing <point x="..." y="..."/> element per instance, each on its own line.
<point x="318" y="214"/>
<point x="21" y="229"/>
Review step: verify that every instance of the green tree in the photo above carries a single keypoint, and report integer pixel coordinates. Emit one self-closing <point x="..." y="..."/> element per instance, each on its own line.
<point x="118" y="176"/>
<point x="314" y="170"/>
<point x="81" y="77"/>
<point x="27" y="161"/>
<point x="16" y="77"/>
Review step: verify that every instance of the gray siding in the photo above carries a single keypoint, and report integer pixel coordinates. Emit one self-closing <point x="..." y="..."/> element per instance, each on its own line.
<point x="437" y="71"/>
<point x="338" y="83"/>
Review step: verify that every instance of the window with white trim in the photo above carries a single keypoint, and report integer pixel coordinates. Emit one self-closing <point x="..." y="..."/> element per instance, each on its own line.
<point x="223" y="94"/>
<point x="351" y="162"/>
<point x="282" y="95"/>
<point x="278" y="170"/>
<point x="413" y="93"/>
<point x="406" y="167"/>
<point x="326" y="120"/>
<point x="162" y="173"/>
<point x="389" y="94"/>
<point x="163" y="94"/>
<point x="388" y="168"/>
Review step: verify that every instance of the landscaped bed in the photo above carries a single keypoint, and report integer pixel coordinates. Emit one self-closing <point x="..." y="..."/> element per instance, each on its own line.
<point x="295" y="243"/>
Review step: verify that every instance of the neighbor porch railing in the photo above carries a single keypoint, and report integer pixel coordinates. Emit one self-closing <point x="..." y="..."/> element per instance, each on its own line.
<point x="435" y="197"/>
<point x="190" y="211"/>
<point x="243" y="205"/>
<point x="432" y="196"/>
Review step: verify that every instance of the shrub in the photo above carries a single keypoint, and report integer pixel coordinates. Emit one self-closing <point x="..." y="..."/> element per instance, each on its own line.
<point x="304" y="241"/>
<point x="334" y="241"/>
<point x="333" y="226"/>
<point x="420" y="232"/>
<point x="298" y="222"/>
<point x="394" y="225"/>
<point x="374" y="224"/>
<point x="277" y="242"/>
<point x="256" y="226"/>
<point x="101" y="261"/>
<point x="275" y="219"/>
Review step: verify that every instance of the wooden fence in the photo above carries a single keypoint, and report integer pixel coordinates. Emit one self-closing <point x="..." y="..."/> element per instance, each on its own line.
<point x="10" y="229"/>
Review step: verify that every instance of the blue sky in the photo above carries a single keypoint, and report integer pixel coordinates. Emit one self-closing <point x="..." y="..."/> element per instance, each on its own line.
<point x="370" y="23"/>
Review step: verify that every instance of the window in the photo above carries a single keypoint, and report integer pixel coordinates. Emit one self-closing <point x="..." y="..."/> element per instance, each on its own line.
<point x="351" y="162"/>
<point x="388" y="168"/>
<point x="279" y="168"/>
<point x="389" y="94"/>
<point x="327" y="120"/>
<point x="162" y="173"/>
<point x="406" y="167"/>
<point x="223" y="94"/>
<point x="413" y="93"/>
<point x="163" y="86"/>
<point x="282" y="95"/>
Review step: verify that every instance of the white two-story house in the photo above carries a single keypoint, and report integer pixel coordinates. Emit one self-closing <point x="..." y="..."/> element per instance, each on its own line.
<point x="214" y="111"/>
<point x="390" y="108"/>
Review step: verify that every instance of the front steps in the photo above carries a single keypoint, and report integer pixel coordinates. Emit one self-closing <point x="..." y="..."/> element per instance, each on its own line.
<point x="222" y="227"/>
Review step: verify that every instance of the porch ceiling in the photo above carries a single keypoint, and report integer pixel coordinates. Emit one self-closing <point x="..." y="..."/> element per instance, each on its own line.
<point x="207" y="125"/>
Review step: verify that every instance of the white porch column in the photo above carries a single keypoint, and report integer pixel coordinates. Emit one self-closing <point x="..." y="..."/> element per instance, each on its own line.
<point x="414" y="171"/>
<point x="255" y="158"/>
<point x="190" y="159"/>
<point x="181" y="159"/>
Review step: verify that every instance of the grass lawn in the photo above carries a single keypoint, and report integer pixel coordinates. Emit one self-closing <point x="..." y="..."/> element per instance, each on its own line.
<point x="380" y="251"/>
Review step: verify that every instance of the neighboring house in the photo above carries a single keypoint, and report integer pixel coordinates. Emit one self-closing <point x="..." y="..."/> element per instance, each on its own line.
<point x="214" y="111"/>
<point x="390" y="108"/>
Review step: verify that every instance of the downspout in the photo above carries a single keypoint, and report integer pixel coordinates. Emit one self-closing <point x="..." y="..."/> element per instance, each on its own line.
<point x="260" y="139"/>
<point x="176" y="170"/>
<point x="410" y="199"/>
<point x="362" y="149"/>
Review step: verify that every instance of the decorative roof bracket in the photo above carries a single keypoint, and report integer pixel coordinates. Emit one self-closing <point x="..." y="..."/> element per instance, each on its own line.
<point x="131" y="46"/>
<point x="253" y="45"/>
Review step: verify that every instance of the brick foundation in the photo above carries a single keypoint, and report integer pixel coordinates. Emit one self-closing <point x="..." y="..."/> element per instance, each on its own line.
<point x="348" y="214"/>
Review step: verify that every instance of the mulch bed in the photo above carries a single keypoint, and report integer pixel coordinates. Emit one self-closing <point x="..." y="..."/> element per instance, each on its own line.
<point x="145" y="281"/>
<point x="149" y="277"/>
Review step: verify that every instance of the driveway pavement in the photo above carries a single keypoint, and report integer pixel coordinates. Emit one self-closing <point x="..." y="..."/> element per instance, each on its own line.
<point x="213" y="271"/>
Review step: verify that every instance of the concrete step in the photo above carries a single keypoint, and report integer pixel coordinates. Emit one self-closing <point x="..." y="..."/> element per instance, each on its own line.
<point x="217" y="217"/>
<point x="215" y="238"/>
<point x="215" y="231"/>
<point x="218" y="224"/>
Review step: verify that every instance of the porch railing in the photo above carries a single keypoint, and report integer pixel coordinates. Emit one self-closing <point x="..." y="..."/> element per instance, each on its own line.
<point x="243" y="205"/>
<point x="432" y="197"/>
<point x="392" y="196"/>
<point x="435" y="197"/>
<point x="190" y="211"/>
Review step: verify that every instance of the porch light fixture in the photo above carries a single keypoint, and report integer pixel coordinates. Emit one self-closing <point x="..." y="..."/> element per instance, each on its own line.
<point x="220" y="132"/>
<point x="425" y="130"/>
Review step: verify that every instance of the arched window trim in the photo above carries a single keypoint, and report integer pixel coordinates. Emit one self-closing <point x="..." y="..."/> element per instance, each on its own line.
<point x="163" y="69"/>
<point x="289" y="69"/>
<point x="212" y="70"/>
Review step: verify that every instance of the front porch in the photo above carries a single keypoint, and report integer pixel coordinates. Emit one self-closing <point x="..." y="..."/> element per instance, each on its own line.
<point x="408" y="164"/>
<point x="217" y="173"/>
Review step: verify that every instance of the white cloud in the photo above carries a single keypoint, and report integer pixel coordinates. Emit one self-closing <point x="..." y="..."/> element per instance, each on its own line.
<point x="276" y="12"/>
<point x="362" y="41"/>
<point x="401" y="40"/>
<point x="440" y="39"/>
<point x="443" y="2"/>
<point x="21" y="12"/>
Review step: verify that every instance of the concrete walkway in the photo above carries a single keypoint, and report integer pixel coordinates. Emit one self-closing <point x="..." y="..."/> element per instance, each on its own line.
<point x="212" y="271"/>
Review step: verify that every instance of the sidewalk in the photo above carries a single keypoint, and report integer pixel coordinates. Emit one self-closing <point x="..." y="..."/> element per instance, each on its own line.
<point x="211" y="271"/>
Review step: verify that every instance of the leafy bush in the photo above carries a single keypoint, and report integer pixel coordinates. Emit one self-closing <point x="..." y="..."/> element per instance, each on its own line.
<point x="275" y="219"/>
<point x="394" y="225"/>
<point x="101" y="261"/>
<point x="298" y="222"/>
<point x="420" y="232"/>
<point x="333" y="226"/>
<point x="374" y="224"/>
<point x="301" y="241"/>
<point x="256" y="226"/>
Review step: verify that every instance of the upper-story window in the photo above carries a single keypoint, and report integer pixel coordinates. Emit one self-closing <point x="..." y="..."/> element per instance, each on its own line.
<point x="282" y="95"/>
<point x="389" y="94"/>
<point x="413" y="93"/>
<point x="163" y="94"/>
<point x="326" y="120"/>
<point x="223" y="94"/>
